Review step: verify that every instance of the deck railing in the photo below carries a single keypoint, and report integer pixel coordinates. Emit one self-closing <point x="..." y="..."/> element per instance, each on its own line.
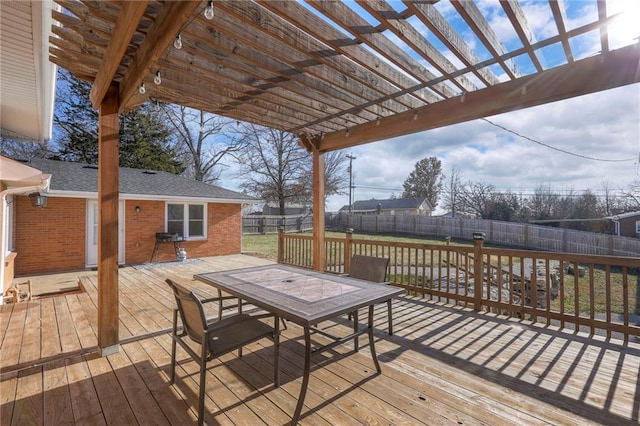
<point x="596" y="294"/>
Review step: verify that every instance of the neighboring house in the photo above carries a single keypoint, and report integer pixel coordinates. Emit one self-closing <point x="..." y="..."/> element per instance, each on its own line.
<point x="626" y="224"/>
<point x="394" y="206"/>
<point x="64" y="235"/>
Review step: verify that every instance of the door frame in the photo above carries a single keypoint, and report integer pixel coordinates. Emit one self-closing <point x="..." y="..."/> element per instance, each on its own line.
<point x="91" y="254"/>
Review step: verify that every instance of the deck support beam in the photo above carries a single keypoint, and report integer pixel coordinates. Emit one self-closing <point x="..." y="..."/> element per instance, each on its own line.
<point x="108" y="194"/>
<point x="318" y="211"/>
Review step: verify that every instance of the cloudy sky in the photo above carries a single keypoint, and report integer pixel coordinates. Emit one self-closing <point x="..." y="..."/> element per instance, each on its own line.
<point x="604" y="126"/>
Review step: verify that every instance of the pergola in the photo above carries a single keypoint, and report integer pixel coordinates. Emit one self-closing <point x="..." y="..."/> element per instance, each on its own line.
<point x="335" y="74"/>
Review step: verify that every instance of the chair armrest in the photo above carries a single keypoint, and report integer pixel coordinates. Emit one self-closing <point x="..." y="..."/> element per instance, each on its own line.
<point x="218" y="299"/>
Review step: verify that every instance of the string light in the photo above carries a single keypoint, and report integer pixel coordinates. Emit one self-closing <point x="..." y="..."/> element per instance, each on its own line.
<point x="157" y="79"/>
<point x="208" y="12"/>
<point x="142" y="90"/>
<point x="177" y="43"/>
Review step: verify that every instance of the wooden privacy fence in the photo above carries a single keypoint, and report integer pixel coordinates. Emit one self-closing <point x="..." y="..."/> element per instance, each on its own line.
<point x="596" y="294"/>
<point x="271" y="224"/>
<point x="522" y="235"/>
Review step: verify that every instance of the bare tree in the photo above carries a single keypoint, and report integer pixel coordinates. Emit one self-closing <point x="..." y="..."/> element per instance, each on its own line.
<point x="336" y="174"/>
<point x="274" y="166"/>
<point x="453" y="185"/>
<point x="632" y="196"/>
<point x="543" y="202"/>
<point x="24" y="149"/>
<point x="476" y="198"/>
<point x="206" y="140"/>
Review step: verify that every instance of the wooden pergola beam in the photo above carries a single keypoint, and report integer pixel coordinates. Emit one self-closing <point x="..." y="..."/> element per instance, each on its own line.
<point x="614" y="69"/>
<point x="172" y="18"/>
<point x="125" y="27"/>
<point x="319" y="255"/>
<point x="108" y="194"/>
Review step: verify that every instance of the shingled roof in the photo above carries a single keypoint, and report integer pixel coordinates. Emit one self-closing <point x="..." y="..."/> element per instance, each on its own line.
<point x="68" y="177"/>
<point x="390" y="204"/>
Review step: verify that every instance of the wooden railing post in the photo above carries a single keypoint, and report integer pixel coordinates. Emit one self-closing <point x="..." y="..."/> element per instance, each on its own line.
<point x="478" y="279"/>
<point x="280" y="245"/>
<point x="347" y="250"/>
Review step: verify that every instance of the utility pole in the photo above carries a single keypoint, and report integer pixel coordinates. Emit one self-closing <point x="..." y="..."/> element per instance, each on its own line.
<point x="351" y="158"/>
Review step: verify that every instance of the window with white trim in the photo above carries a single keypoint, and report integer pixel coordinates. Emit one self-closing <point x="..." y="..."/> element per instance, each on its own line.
<point x="637" y="226"/>
<point x="187" y="220"/>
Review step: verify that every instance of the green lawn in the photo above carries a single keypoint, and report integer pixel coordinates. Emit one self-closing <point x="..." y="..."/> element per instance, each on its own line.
<point x="266" y="246"/>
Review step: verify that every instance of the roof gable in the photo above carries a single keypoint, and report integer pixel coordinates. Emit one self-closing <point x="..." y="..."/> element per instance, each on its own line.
<point x="391" y="204"/>
<point x="80" y="177"/>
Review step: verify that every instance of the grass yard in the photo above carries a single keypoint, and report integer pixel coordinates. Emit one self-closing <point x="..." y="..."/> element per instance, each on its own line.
<point x="266" y="246"/>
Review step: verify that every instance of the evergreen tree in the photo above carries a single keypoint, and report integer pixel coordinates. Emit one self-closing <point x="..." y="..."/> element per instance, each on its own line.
<point x="425" y="181"/>
<point x="145" y="141"/>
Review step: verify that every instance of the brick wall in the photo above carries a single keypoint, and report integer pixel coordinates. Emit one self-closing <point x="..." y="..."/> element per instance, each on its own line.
<point x="140" y="231"/>
<point x="53" y="239"/>
<point x="50" y="239"/>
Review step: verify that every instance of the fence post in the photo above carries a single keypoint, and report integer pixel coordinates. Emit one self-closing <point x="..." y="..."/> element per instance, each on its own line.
<point x="280" y="245"/>
<point x="347" y="250"/>
<point x="478" y="281"/>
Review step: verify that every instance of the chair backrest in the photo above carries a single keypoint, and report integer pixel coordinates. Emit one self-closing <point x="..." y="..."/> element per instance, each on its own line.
<point x="369" y="268"/>
<point x="191" y="311"/>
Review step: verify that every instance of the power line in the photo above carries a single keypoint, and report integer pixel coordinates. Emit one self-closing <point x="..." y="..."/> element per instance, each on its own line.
<point x="557" y="149"/>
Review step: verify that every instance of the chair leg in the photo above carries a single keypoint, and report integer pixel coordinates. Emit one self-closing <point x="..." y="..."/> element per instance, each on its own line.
<point x="203" y="379"/>
<point x="173" y="347"/>
<point x="390" y="320"/>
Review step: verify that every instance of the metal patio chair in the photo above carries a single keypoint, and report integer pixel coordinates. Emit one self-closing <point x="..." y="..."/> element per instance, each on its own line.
<point x="215" y="336"/>
<point x="372" y="269"/>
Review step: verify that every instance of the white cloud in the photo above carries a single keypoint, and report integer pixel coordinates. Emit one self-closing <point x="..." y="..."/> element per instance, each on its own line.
<point x="603" y="125"/>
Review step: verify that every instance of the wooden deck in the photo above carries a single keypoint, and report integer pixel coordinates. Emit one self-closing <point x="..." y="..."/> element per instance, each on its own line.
<point x="444" y="365"/>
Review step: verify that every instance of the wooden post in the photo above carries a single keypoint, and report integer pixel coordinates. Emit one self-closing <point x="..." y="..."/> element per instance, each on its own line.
<point x="108" y="320"/>
<point x="318" y="211"/>
<point x="478" y="280"/>
<point x="347" y="250"/>
<point x="280" y="245"/>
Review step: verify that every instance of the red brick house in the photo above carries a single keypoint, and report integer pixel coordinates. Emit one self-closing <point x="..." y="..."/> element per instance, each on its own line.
<point x="63" y="235"/>
<point x="626" y="224"/>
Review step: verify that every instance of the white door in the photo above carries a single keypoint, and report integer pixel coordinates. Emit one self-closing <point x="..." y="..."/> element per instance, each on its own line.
<point x="92" y="232"/>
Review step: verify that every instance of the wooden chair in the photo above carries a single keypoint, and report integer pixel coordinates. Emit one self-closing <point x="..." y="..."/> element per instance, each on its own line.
<point x="372" y="269"/>
<point x="215" y="336"/>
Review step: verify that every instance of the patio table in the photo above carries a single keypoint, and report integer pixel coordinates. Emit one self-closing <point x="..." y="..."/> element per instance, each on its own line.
<point x="305" y="297"/>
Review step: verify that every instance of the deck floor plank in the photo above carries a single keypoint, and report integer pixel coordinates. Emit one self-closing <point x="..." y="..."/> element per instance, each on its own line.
<point x="135" y="390"/>
<point x="49" y="328"/>
<point x="57" y="397"/>
<point x="29" y="398"/>
<point x="443" y="365"/>
<point x="69" y="340"/>
<point x="85" y="402"/>
<point x="8" y="396"/>
<point x="12" y="343"/>
<point x="150" y="362"/>
<point x="114" y="402"/>
<point x="5" y="316"/>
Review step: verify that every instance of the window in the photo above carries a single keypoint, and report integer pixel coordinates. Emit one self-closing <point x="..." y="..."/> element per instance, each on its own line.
<point x="187" y="220"/>
<point x="637" y="226"/>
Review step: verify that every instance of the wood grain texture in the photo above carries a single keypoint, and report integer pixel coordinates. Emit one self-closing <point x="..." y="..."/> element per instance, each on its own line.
<point x="444" y="364"/>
